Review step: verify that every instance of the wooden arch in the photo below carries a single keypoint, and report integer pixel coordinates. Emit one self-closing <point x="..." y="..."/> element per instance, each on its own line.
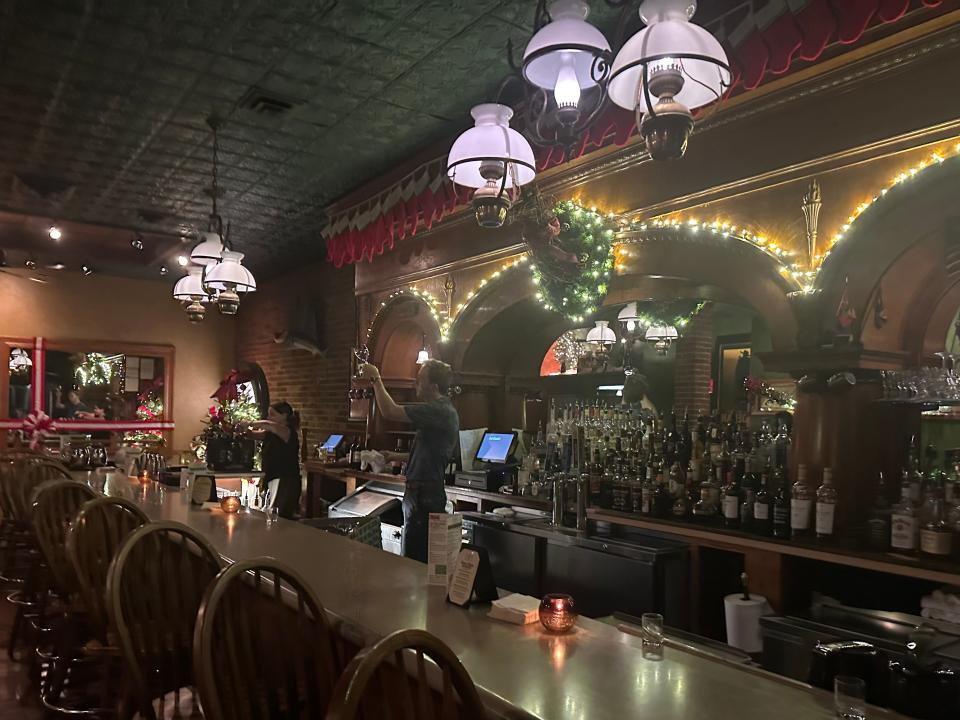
<point x="904" y="250"/>
<point x="398" y="332"/>
<point x="676" y="262"/>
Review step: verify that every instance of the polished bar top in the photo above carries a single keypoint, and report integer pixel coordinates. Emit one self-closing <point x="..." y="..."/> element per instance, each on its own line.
<point x="596" y="672"/>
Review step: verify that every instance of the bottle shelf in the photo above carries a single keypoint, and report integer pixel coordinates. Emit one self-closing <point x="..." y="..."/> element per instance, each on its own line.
<point x="946" y="572"/>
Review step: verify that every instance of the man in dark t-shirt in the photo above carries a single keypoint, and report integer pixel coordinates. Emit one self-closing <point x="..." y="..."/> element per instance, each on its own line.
<point x="437" y="427"/>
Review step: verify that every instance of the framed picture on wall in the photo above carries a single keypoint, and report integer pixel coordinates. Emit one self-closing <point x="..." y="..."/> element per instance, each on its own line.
<point x="732" y="368"/>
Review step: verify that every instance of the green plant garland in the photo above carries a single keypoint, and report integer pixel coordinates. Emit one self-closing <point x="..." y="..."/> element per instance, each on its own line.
<point x="95" y="369"/>
<point x="573" y="259"/>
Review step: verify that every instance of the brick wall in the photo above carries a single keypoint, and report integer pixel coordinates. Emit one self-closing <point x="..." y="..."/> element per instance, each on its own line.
<point x="315" y="385"/>
<point x="693" y="366"/>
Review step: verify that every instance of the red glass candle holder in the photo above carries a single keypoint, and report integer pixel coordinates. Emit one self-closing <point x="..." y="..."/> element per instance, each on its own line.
<point x="558" y="614"/>
<point x="230" y="504"/>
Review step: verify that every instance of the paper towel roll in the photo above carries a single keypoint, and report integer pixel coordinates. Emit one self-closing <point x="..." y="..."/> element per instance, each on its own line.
<point x="743" y="621"/>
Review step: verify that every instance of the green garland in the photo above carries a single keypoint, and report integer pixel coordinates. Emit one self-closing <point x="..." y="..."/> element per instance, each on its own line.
<point x="573" y="259"/>
<point x="656" y="313"/>
<point x="95" y="369"/>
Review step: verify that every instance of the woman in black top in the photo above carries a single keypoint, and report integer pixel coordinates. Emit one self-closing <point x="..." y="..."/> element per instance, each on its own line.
<point x="280" y="456"/>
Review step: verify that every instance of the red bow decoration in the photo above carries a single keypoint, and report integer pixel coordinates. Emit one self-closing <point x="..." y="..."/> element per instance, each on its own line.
<point x="37" y="426"/>
<point x="228" y="388"/>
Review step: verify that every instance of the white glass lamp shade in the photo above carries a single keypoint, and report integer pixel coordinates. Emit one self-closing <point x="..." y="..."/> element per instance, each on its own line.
<point x="568" y="41"/>
<point x="601" y="334"/>
<point x="230" y="274"/>
<point x="669" y="38"/>
<point x="190" y="286"/>
<point x="19" y="360"/>
<point x="490" y="139"/>
<point x="628" y="313"/>
<point x="656" y="333"/>
<point x="209" y="251"/>
<point x="422" y="356"/>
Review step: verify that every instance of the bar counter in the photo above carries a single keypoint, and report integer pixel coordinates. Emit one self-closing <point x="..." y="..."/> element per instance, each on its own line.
<point x="596" y="672"/>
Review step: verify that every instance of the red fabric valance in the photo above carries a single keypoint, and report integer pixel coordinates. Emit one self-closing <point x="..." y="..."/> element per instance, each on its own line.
<point x="759" y="45"/>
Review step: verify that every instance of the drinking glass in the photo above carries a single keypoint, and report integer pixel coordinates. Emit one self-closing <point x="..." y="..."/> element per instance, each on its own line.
<point x="272" y="514"/>
<point x="652" y="626"/>
<point x="849" y="697"/>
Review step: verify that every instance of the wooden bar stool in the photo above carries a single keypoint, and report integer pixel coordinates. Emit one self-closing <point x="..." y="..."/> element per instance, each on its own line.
<point x="59" y="628"/>
<point x="154" y="589"/>
<point x="392" y="679"/>
<point x="263" y="647"/>
<point x="93" y="540"/>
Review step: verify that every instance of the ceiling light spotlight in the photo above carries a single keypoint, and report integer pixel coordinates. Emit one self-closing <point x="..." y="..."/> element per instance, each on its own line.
<point x="137" y="242"/>
<point x="163" y="270"/>
<point x="86" y="270"/>
<point x="54" y="232"/>
<point x="182" y="260"/>
<point x="56" y="266"/>
<point x="30" y="264"/>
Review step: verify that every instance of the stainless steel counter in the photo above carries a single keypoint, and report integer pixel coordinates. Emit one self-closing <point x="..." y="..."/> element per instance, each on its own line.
<point x="597" y="672"/>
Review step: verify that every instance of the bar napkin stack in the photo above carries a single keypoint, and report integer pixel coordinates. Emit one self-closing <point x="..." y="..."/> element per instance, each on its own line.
<point x="515" y="608"/>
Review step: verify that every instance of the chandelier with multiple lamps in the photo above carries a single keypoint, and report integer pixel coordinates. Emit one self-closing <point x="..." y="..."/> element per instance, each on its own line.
<point x="570" y="74"/>
<point x="215" y="272"/>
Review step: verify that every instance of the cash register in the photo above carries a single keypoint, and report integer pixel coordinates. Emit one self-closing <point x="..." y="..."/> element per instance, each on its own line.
<point x="497" y="463"/>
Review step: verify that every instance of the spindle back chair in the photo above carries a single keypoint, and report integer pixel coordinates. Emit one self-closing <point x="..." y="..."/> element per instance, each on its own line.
<point x="55" y="506"/>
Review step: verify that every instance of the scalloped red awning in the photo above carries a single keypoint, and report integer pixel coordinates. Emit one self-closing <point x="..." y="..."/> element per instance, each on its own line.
<point x="763" y="44"/>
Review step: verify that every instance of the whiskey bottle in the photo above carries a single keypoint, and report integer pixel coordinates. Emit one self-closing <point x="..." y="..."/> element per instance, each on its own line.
<point x="826" y="505"/>
<point x="730" y="503"/>
<point x="749" y="490"/>
<point x="878" y="520"/>
<point x="904" y="528"/>
<point x="935" y="533"/>
<point x="781" y="506"/>
<point x="762" y="522"/>
<point x="705" y="511"/>
<point x="801" y="504"/>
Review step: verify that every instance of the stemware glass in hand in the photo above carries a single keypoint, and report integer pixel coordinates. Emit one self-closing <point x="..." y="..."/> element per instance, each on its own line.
<point x="362" y="356"/>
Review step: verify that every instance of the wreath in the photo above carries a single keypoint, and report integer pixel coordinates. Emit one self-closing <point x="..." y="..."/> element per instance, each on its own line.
<point x="572" y="251"/>
<point x="95" y="369"/>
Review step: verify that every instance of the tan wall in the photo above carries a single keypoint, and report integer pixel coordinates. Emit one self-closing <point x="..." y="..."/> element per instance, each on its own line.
<point x="71" y="307"/>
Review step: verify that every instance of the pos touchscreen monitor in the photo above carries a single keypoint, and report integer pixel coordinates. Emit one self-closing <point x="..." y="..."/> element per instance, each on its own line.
<point x="496" y="447"/>
<point x="331" y="443"/>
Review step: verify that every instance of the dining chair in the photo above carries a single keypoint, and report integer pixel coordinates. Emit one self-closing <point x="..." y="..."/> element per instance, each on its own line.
<point x="263" y="647"/>
<point x="155" y="586"/>
<point x="393" y="679"/>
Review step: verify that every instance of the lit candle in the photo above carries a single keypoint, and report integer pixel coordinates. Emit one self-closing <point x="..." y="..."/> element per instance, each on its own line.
<point x="230" y="504"/>
<point x="557" y="612"/>
<point x="144" y="477"/>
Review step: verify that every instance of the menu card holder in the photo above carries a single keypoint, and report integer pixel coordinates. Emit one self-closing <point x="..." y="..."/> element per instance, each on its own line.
<point x="472" y="579"/>
<point x="203" y="489"/>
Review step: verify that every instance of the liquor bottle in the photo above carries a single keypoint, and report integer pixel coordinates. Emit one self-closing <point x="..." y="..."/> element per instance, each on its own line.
<point x="684" y="446"/>
<point x="904" y="528"/>
<point x="801" y="504"/>
<point x="662" y="499"/>
<point x="636" y="488"/>
<point x="730" y="503"/>
<point x="595" y="471"/>
<point x="780" y="508"/>
<point x="749" y="488"/>
<point x="647" y="491"/>
<point x="826" y="505"/>
<point x="762" y="523"/>
<point x="878" y="520"/>
<point x="705" y="511"/>
<point x="725" y="463"/>
<point x="678" y="479"/>
<point x="682" y="501"/>
<point x="354" y="458"/>
<point x="619" y="498"/>
<point x="692" y="491"/>
<point x="606" y="487"/>
<point x="936" y="535"/>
